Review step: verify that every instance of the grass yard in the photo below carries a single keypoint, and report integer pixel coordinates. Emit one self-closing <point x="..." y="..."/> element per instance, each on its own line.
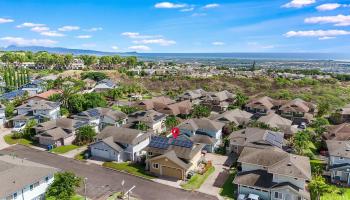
<point x="80" y="156"/>
<point x="131" y="168"/>
<point x="9" y="140"/>
<point x="197" y="180"/>
<point x="64" y="149"/>
<point x="332" y="196"/>
<point x="227" y="190"/>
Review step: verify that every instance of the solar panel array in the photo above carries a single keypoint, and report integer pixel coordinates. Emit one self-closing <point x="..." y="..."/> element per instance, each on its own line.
<point x="159" y="142"/>
<point x="182" y="143"/>
<point x="93" y="112"/>
<point x="274" y="139"/>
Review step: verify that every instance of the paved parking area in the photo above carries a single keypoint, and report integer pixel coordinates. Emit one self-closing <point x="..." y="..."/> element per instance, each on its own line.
<point x="102" y="181"/>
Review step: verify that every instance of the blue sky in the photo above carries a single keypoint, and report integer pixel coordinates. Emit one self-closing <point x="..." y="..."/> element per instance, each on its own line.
<point x="179" y="26"/>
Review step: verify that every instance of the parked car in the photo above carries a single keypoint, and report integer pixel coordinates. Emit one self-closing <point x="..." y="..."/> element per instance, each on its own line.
<point x="19" y="127"/>
<point x="302" y="125"/>
<point x="248" y="197"/>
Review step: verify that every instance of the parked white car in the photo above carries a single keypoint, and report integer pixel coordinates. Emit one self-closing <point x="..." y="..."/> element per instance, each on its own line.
<point x="248" y="197"/>
<point x="19" y="127"/>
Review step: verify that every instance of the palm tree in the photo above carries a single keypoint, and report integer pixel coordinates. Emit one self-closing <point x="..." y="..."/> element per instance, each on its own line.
<point x="67" y="92"/>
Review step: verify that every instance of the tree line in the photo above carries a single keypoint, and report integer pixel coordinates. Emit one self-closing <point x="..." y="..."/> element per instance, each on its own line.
<point x="15" y="78"/>
<point x="58" y="60"/>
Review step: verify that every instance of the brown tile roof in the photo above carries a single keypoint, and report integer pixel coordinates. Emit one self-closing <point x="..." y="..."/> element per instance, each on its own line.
<point x="338" y="132"/>
<point x="261" y="103"/>
<point x="277" y="161"/>
<point x="182" y="107"/>
<point x="276" y="121"/>
<point x="297" y="105"/>
<point x="155" y="103"/>
<point x="338" y="148"/>
<point x="171" y="155"/>
<point x="48" y="93"/>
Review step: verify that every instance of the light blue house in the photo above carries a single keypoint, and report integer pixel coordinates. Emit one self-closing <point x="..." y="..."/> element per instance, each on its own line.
<point x="339" y="161"/>
<point x="203" y="131"/>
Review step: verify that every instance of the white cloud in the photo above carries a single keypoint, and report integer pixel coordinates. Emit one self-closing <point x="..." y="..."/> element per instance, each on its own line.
<point x="217" y="43"/>
<point x="136" y="35"/>
<point x="27" y="42"/>
<point x="169" y="5"/>
<point x="298" y="3"/>
<point x="187" y="9"/>
<point x="52" y="34"/>
<point x="5" y="20"/>
<point x="40" y="29"/>
<point x="160" y="41"/>
<point x="212" y="5"/>
<point x="198" y="14"/>
<point x="321" y="34"/>
<point x="69" y="28"/>
<point x="29" y="25"/>
<point x="326" y="38"/>
<point x="115" y="47"/>
<point x="84" y="36"/>
<point x="94" y="29"/>
<point x="337" y="20"/>
<point x="328" y="6"/>
<point x="139" y="48"/>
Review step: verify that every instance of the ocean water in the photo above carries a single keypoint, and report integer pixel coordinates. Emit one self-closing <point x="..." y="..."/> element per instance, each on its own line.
<point x="247" y="56"/>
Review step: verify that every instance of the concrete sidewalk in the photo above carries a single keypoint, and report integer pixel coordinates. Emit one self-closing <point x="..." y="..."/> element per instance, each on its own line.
<point x="3" y="132"/>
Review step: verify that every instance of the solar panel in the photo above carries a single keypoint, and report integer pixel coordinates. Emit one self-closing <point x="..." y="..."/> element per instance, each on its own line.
<point x="159" y="142"/>
<point x="274" y="139"/>
<point x="93" y="112"/>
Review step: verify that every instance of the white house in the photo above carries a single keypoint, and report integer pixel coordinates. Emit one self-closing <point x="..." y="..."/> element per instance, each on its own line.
<point x="23" y="179"/>
<point x="2" y="115"/>
<point x="339" y="161"/>
<point x="120" y="144"/>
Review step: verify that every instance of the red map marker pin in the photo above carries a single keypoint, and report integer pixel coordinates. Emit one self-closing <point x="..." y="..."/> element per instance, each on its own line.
<point x="175" y="131"/>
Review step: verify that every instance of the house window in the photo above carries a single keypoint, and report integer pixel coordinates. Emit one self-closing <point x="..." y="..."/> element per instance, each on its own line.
<point x="155" y="165"/>
<point x="36" y="184"/>
<point x="15" y="195"/>
<point x="150" y="153"/>
<point x="341" y="158"/>
<point x="31" y="187"/>
<point x="47" y="179"/>
<point x="299" y="198"/>
<point x="278" y="195"/>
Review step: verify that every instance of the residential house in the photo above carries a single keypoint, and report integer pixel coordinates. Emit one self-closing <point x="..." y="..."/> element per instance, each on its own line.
<point x="76" y="64"/>
<point x="339" y="132"/>
<point x="99" y="118"/>
<point x="276" y="121"/>
<point x="2" y="115"/>
<point x="153" y="119"/>
<point x="104" y="85"/>
<point x="261" y="106"/>
<point x="120" y="144"/>
<point x="173" y="157"/>
<point x="45" y="95"/>
<point x="339" y="161"/>
<point x="154" y="103"/>
<point x="40" y="111"/>
<point x="344" y="113"/>
<point x="273" y="174"/>
<point x="57" y="132"/>
<point x="298" y="111"/>
<point x="218" y="101"/>
<point x="89" y="84"/>
<point x="255" y="138"/>
<point x="236" y="116"/>
<point x="178" y="108"/>
<point x="33" y="88"/>
<point x="10" y="96"/>
<point x="23" y="179"/>
<point x="194" y="96"/>
<point x="203" y="131"/>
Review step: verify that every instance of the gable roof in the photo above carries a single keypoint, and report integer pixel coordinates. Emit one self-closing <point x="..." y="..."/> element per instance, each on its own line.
<point x="276" y="121"/>
<point x="277" y="161"/>
<point x="171" y="155"/>
<point x="237" y="116"/>
<point x="64" y="123"/>
<point x="297" y="105"/>
<point x="39" y="105"/>
<point x="155" y="103"/>
<point x="123" y="135"/>
<point x="338" y="132"/>
<point x="203" y="123"/>
<point x="193" y="94"/>
<point x="16" y="173"/>
<point x="261" y="103"/>
<point x="148" y="116"/>
<point x="98" y="112"/>
<point x="338" y="148"/>
<point x="182" y="107"/>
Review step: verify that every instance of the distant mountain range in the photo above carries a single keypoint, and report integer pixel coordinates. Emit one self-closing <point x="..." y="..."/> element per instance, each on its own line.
<point x="61" y="50"/>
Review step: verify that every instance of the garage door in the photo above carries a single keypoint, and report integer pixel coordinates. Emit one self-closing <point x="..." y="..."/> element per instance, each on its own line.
<point x="172" y="172"/>
<point x="100" y="153"/>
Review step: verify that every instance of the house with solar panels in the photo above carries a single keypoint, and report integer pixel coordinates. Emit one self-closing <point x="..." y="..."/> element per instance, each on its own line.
<point x="105" y="85"/>
<point x="120" y="144"/>
<point x="204" y="131"/>
<point x="57" y="132"/>
<point x="255" y="138"/>
<point x="171" y="157"/>
<point x="10" y="96"/>
<point x="273" y="174"/>
<point x="33" y="88"/>
<point x="99" y="118"/>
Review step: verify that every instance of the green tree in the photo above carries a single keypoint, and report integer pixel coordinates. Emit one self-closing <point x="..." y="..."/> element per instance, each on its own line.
<point x="28" y="130"/>
<point x="9" y="110"/>
<point x="142" y="126"/>
<point x="93" y="100"/>
<point x="171" y="122"/>
<point x="200" y="111"/>
<point x="323" y="108"/>
<point x="96" y="76"/>
<point x="131" y="61"/>
<point x="85" y="135"/>
<point x="75" y="103"/>
<point x="128" y="109"/>
<point x="106" y="61"/>
<point x="301" y="141"/>
<point x="55" y="97"/>
<point x="88" y="60"/>
<point x="63" y="186"/>
<point x="240" y="101"/>
<point x="68" y="59"/>
<point x="318" y="187"/>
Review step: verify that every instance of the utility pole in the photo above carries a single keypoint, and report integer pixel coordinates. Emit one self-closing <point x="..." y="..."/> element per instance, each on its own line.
<point x="85" y="180"/>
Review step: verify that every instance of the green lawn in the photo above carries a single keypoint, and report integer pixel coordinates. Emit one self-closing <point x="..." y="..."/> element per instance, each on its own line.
<point x="64" y="149"/>
<point x="131" y="168"/>
<point x="227" y="190"/>
<point x="80" y="156"/>
<point x="9" y="140"/>
<point x="332" y="196"/>
<point x="77" y="197"/>
<point x="197" y="180"/>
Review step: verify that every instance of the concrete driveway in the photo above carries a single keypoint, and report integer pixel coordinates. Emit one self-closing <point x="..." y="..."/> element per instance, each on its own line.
<point x="215" y="181"/>
<point x="3" y="132"/>
<point x="103" y="182"/>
